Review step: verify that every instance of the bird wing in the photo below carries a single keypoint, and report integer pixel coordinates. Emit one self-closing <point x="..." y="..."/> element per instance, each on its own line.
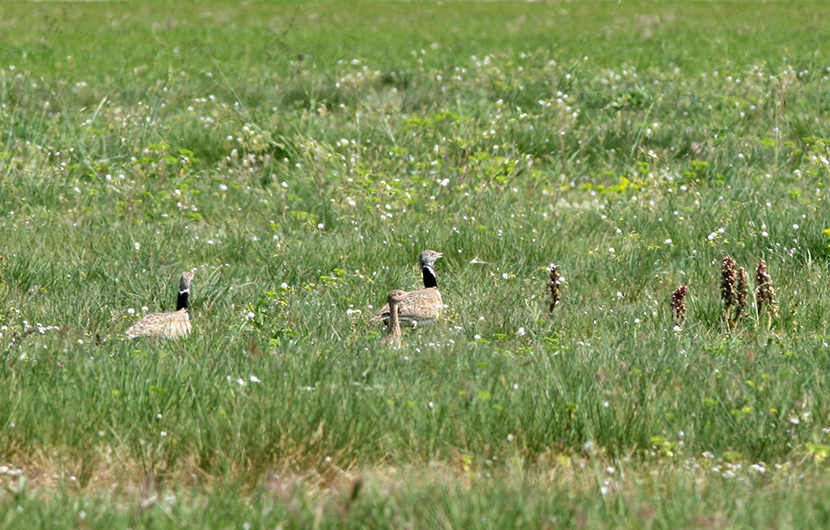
<point x="423" y="304"/>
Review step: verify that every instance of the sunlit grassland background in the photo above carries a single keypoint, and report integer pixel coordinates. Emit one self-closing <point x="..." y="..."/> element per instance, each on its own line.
<point x="300" y="155"/>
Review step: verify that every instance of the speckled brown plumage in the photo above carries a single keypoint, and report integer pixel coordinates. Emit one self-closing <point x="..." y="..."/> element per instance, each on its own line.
<point x="421" y="307"/>
<point x="170" y="325"/>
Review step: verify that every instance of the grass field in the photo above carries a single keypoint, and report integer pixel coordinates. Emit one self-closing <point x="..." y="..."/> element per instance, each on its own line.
<point x="298" y="156"/>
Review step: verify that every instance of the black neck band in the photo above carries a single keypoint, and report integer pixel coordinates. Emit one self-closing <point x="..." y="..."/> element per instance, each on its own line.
<point x="429" y="277"/>
<point x="181" y="303"/>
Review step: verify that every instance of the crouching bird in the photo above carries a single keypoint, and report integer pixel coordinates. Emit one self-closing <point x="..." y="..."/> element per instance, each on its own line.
<point x="171" y="325"/>
<point x="421" y="307"/>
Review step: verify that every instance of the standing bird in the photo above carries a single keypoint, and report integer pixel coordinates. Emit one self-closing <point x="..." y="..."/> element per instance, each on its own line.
<point x="419" y="308"/>
<point x="170" y="325"/>
<point x="395" y="298"/>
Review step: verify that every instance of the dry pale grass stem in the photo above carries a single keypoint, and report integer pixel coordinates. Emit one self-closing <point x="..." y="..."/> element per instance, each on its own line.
<point x="554" y="287"/>
<point x="678" y="304"/>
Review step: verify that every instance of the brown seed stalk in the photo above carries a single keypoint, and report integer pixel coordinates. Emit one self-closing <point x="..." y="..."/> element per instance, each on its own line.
<point x="678" y="304"/>
<point x="554" y="287"/>
<point x="765" y="293"/>
<point x="728" y="286"/>
<point x="728" y="282"/>
<point x="742" y="291"/>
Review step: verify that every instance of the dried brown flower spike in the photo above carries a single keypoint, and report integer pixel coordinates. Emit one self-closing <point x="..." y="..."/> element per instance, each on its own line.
<point x="733" y="290"/>
<point x="553" y="287"/>
<point x="728" y="282"/>
<point x="728" y="287"/>
<point x="678" y="304"/>
<point x="765" y="293"/>
<point x="742" y="292"/>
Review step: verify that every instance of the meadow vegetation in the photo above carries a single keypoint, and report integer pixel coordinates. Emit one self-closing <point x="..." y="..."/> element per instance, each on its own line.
<point x="299" y="156"/>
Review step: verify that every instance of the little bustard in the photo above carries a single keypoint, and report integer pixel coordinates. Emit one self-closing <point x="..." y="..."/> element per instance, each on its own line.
<point x="419" y="308"/>
<point x="170" y="325"/>
<point x="394" y="299"/>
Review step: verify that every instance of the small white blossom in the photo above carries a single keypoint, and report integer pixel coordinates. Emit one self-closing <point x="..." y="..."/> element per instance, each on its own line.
<point x="759" y="468"/>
